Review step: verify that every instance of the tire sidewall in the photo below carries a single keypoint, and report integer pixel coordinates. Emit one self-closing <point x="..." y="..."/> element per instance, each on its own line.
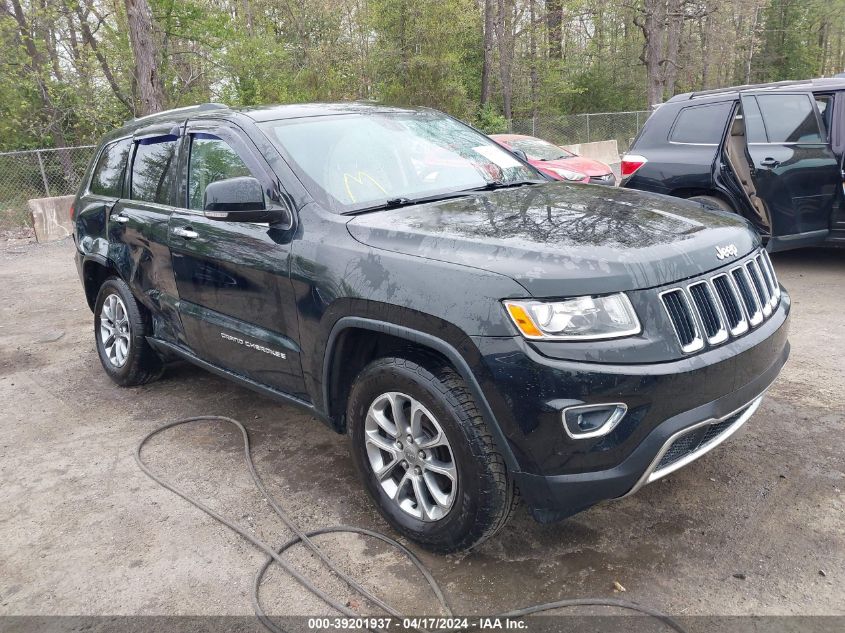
<point x="382" y="377"/>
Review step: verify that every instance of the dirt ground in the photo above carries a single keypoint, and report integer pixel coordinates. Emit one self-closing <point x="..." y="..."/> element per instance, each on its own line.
<point x="755" y="527"/>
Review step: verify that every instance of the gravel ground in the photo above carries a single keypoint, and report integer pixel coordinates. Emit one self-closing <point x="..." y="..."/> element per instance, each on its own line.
<point x="755" y="527"/>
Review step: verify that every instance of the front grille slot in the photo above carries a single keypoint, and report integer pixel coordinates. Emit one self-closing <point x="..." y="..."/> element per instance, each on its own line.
<point x="726" y="305"/>
<point x="678" y="308"/>
<point x="765" y="266"/>
<point x="708" y="312"/>
<point x="763" y="293"/>
<point x="729" y="299"/>
<point x="749" y="298"/>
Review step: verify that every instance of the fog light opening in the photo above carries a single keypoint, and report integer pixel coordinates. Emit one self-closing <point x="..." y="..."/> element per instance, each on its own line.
<point x="592" y="420"/>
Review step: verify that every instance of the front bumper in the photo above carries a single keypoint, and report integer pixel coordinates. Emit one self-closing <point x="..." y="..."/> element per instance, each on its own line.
<point x="692" y="404"/>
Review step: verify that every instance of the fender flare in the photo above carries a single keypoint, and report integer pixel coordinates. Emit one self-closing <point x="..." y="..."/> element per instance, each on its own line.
<point x="93" y="258"/>
<point x="439" y="345"/>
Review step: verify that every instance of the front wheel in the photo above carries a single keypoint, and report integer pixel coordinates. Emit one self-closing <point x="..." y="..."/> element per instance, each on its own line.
<point x="426" y="456"/>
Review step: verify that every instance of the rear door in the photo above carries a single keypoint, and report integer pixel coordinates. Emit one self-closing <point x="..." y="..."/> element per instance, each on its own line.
<point x="138" y="223"/>
<point x="795" y="172"/>
<point x="104" y="190"/>
<point x="236" y="297"/>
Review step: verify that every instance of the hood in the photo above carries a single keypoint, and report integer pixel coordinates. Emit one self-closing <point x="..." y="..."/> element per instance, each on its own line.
<point x="586" y="166"/>
<point x="562" y="239"/>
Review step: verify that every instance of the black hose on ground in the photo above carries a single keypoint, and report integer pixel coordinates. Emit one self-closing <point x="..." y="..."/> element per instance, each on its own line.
<point x="275" y="555"/>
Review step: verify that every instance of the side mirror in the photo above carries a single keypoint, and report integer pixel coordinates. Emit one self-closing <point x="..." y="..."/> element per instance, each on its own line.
<point x="520" y="154"/>
<point x="240" y="199"/>
<point x="233" y="195"/>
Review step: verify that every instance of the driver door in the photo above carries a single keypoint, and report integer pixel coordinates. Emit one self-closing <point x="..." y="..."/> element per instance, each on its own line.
<point x="795" y="172"/>
<point x="236" y="300"/>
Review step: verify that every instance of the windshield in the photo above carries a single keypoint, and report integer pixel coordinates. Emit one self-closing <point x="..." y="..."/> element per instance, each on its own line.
<point x="355" y="161"/>
<point x="538" y="149"/>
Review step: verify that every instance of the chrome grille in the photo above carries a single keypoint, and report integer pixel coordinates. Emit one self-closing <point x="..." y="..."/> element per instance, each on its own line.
<point x="723" y="306"/>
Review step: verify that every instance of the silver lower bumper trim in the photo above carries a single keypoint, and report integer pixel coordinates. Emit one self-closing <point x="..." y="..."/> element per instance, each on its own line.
<point x="652" y="473"/>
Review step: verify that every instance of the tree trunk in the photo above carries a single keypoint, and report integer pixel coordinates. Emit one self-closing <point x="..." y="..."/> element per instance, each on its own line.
<point x="489" y="39"/>
<point x="652" y="22"/>
<point x="554" y="21"/>
<point x="674" y="28"/>
<point x="505" y="39"/>
<point x="532" y="52"/>
<point x="145" y="51"/>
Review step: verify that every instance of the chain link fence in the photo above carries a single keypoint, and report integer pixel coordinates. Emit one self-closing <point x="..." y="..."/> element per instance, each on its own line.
<point x="39" y="173"/>
<point x="584" y="128"/>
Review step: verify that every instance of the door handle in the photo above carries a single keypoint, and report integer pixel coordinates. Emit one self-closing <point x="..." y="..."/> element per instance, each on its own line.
<point x="120" y="218"/>
<point x="769" y="162"/>
<point x="185" y="232"/>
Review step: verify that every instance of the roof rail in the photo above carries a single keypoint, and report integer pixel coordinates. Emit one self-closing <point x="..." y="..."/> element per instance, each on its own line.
<point x="202" y="107"/>
<point x="771" y="84"/>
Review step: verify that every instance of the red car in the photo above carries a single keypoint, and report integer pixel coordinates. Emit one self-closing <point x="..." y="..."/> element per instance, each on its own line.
<point x="557" y="162"/>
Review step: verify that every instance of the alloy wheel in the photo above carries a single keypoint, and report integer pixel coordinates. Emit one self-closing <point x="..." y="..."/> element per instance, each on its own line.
<point x="114" y="330"/>
<point x="410" y="456"/>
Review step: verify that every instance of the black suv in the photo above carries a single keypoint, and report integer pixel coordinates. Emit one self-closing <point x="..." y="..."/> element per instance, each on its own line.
<point x="472" y="327"/>
<point x="771" y="152"/>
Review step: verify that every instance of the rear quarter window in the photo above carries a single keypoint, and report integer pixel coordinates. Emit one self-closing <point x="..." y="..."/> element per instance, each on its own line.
<point x="701" y="124"/>
<point x="151" y="170"/>
<point x="107" y="179"/>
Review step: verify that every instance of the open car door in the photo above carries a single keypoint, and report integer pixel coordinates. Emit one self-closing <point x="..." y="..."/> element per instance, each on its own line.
<point x="796" y="176"/>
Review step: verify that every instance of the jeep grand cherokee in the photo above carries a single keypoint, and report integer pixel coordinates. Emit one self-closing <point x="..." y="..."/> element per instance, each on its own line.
<point x="471" y="326"/>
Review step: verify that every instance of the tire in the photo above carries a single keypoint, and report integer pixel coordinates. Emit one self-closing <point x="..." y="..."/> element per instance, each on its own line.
<point x="712" y="202"/>
<point x="129" y="360"/>
<point x="482" y="492"/>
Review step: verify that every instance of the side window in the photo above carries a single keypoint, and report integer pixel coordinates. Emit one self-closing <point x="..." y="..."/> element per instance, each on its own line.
<point x="703" y="124"/>
<point x="789" y="118"/>
<point x="107" y="179"/>
<point x="212" y="159"/>
<point x="151" y="169"/>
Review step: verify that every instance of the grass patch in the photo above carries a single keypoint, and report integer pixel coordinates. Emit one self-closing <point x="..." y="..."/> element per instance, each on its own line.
<point x="15" y="215"/>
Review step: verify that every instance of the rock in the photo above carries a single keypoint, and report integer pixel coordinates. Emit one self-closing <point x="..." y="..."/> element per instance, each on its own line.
<point x="50" y="336"/>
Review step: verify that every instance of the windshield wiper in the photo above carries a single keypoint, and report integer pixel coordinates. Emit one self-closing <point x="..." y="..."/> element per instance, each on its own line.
<point x="396" y="203"/>
<point x="399" y="202"/>
<point x="498" y="184"/>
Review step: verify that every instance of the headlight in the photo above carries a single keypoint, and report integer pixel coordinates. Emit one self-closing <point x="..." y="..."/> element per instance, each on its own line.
<point x="580" y="318"/>
<point x="567" y="174"/>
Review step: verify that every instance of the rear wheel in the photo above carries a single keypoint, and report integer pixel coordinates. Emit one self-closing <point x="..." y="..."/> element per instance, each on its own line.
<point x="121" y="327"/>
<point x="713" y="202"/>
<point x="426" y="456"/>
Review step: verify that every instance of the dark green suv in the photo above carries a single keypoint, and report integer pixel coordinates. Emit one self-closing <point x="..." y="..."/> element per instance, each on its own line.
<point x="772" y="153"/>
<point x="470" y="325"/>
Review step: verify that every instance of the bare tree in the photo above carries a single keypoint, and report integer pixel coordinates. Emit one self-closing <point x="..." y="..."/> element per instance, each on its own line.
<point x="662" y="23"/>
<point x="91" y="42"/>
<point x="147" y="60"/>
<point x="36" y="68"/>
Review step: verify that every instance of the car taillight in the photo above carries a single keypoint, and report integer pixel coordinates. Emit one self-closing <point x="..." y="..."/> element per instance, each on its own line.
<point x="631" y="163"/>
